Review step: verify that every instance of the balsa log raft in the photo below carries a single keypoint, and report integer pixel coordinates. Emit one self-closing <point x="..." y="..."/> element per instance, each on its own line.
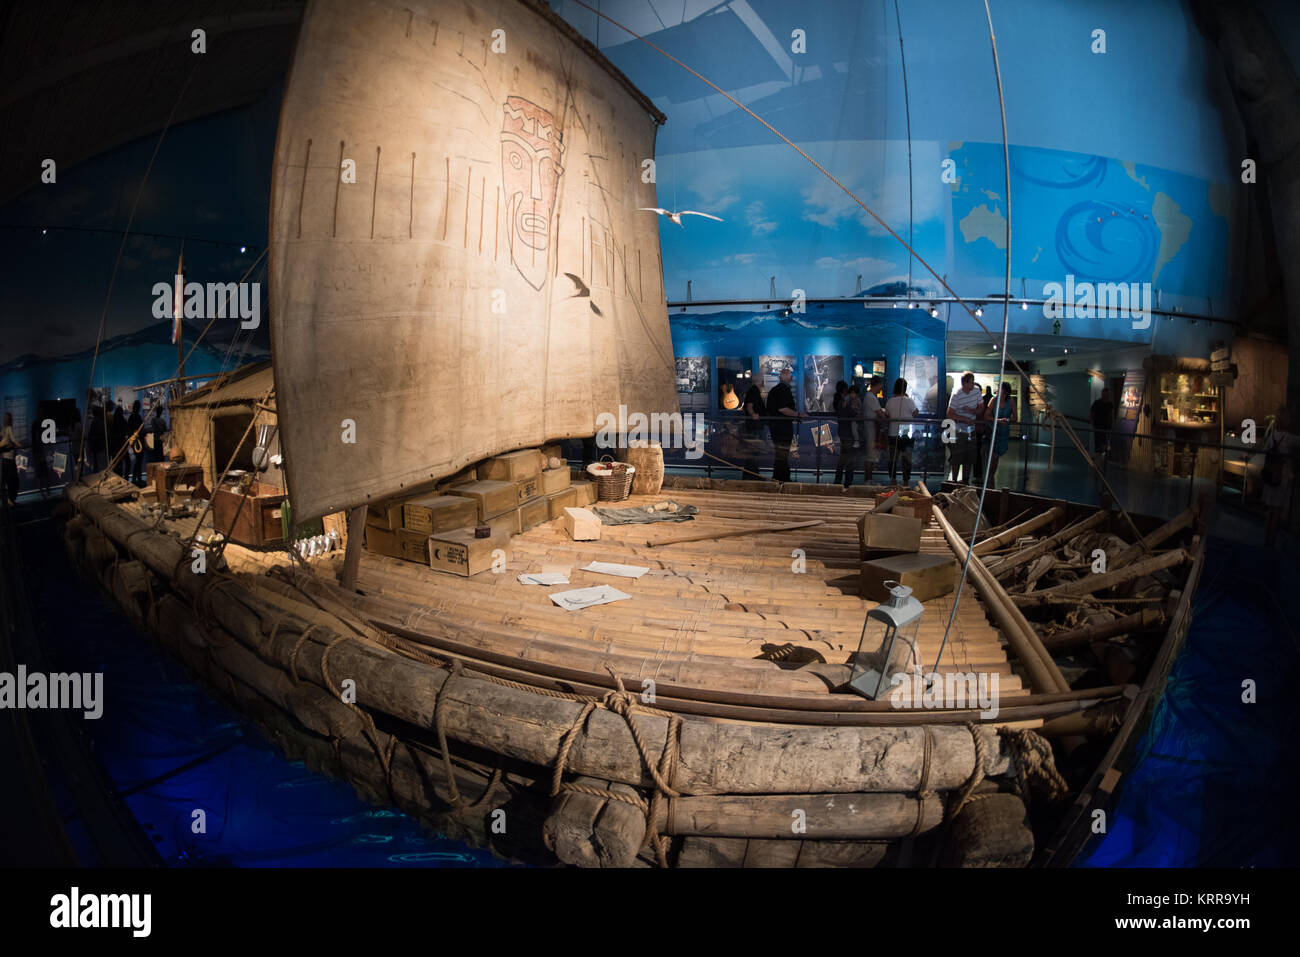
<point x="288" y="660"/>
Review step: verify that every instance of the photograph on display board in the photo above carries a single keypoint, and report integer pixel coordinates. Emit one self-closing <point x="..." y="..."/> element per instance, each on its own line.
<point x="770" y="367"/>
<point x="922" y="375"/>
<point x="693" y="383"/>
<point x="735" y="375"/>
<point x="863" y="368"/>
<point x="820" y="373"/>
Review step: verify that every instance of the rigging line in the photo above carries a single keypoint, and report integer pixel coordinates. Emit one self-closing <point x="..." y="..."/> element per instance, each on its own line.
<point x="919" y="258"/>
<point x="126" y="233"/>
<point x="179" y="366"/>
<point x="1002" y="367"/>
<point x="907" y="112"/>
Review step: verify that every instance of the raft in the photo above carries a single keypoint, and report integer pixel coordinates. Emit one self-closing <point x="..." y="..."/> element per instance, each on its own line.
<point x="697" y="724"/>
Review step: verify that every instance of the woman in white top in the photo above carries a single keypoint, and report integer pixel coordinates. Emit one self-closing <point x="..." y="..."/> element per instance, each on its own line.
<point x="8" y="467"/>
<point x="901" y="411"/>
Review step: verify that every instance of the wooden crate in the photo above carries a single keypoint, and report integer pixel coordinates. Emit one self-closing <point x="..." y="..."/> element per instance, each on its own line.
<point x="555" y="480"/>
<point x="910" y="505"/>
<point x="888" y="533"/>
<point x="492" y="497"/>
<point x="385" y="515"/>
<point x="438" y="513"/>
<point x="584" y="493"/>
<point x="557" y="502"/>
<point x="507" y="522"/>
<point x="249" y="519"/>
<point x="511" y="467"/>
<point x="458" y="552"/>
<point x="929" y="576"/>
<point x="532" y="514"/>
<point x="528" y="489"/>
<point x="170" y="475"/>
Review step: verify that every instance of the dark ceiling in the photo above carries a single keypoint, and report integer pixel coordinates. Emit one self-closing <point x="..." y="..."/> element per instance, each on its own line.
<point x="79" y="77"/>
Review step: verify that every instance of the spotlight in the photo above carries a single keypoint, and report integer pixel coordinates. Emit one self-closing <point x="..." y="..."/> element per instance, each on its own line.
<point x="1067" y="352"/>
<point x="979" y="311"/>
<point x="995" y="347"/>
<point x="934" y="312"/>
<point x="1031" y="348"/>
<point x="42" y="230"/>
<point x="242" y="248"/>
<point x="911" y="305"/>
<point x="1024" y="305"/>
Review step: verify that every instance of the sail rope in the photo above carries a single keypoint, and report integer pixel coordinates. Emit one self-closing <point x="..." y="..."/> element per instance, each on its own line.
<point x="1002" y="365"/>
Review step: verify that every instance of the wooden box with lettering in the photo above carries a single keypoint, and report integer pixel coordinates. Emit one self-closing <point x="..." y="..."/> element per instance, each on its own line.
<point x="929" y="576"/>
<point x="438" y="513"/>
<point x="528" y="489"/>
<point x="532" y="513"/>
<point x="555" y="480"/>
<point x="886" y="534"/>
<point x="458" y="552"/>
<point x="490" y="496"/>
<point x="511" y="467"/>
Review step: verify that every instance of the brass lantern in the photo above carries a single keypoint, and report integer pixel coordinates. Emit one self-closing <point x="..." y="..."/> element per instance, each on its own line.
<point x="888" y="642"/>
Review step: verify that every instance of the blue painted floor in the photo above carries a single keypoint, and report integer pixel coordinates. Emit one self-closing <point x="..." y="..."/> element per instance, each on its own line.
<point x="261" y="810"/>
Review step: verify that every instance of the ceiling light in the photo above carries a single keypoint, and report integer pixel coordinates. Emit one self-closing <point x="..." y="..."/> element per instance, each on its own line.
<point x="979" y="310"/>
<point x="934" y="312"/>
<point x="1024" y="305"/>
<point x="1067" y="351"/>
<point x="242" y="248"/>
<point x="1031" y="348"/>
<point x="995" y="347"/>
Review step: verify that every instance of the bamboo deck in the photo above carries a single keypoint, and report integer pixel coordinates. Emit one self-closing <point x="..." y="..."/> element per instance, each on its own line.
<point x="702" y="614"/>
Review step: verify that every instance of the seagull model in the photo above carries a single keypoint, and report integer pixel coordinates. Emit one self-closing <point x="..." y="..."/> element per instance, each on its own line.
<point x="677" y="217"/>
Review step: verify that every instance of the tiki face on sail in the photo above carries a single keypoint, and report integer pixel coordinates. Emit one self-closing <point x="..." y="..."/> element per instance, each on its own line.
<point x="531" y="151"/>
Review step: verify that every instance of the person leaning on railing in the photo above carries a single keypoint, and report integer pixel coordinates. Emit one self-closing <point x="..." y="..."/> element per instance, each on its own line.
<point x="781" y="422"/>
<point x="902" y="412"/>
<point x="964" y="408"/>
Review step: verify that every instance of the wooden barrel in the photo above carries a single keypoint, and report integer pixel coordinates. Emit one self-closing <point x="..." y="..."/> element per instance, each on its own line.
<point x="649" y="464"/>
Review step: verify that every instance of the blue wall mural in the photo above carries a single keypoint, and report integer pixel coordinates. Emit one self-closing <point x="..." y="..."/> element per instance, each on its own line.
<point x="1161" y="170"/>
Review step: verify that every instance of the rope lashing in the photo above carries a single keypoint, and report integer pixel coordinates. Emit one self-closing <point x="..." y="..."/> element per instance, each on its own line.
<point x="622" y="703"/>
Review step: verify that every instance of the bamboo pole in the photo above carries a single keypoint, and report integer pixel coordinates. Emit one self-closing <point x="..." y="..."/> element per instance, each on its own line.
<point x="1013" y="561"/>
<point x="729" y="533"/>
<point x="1016" y="531"/>
<point x="1066" y="640"/>
<point x="1094" y="583"/>
<point x="1170" y="528"/>
<point x="1042" y="671"/>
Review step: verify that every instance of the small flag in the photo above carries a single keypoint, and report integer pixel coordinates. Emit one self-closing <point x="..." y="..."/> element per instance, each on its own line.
<point x="178" y="300"/>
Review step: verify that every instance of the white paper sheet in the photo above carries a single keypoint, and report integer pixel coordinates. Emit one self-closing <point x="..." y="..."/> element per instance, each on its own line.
<point x="543" y="578"/>
<point x="578" y="598"/>
<point x="612" y="568"/>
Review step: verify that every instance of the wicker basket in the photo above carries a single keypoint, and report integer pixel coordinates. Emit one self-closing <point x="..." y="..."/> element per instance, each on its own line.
<point x="611" y="486"/>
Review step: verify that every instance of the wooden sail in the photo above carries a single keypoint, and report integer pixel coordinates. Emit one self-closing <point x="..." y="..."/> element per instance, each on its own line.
<point x="458" y="266"/>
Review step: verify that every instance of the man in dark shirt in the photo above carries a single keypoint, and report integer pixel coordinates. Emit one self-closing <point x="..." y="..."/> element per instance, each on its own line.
<point x="1103" y="414"/>
<point x="781" y="409"/>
